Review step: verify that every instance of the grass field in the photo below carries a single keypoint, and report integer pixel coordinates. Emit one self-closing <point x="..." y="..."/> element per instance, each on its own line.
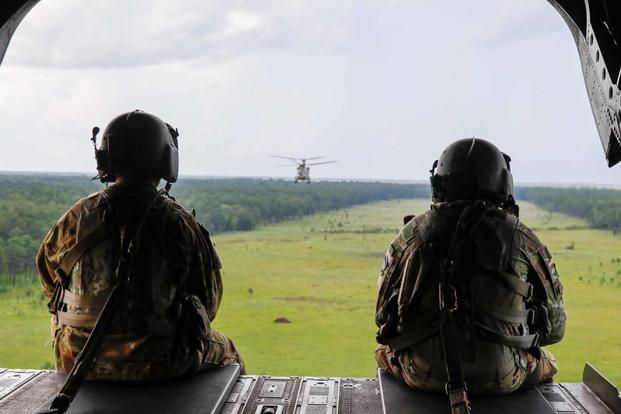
<point x="320" y="273"/>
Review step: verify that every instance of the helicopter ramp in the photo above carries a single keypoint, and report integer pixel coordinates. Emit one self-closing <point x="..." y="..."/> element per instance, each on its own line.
<point x="224" y="391"/>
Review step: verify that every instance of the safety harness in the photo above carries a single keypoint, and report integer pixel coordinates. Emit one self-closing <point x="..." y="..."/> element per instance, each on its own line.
<point x="453" y="277"/>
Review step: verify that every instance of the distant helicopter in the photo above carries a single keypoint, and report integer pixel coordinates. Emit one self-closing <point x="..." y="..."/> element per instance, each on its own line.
<point x="303" y="169"/>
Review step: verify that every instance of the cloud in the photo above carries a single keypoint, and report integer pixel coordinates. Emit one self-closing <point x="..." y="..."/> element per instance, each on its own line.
<point x="117" y="33"/>
<point x="382" y="86"/>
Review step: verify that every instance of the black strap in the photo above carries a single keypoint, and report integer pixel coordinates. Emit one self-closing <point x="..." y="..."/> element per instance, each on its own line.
<point x="86" y="358"/>
<point x="516" y="341"/>
<point x="525" y="316"/>
<point x="512" y="282"/>
<point x="455" y="386"/>
<point x="409" y="338"/>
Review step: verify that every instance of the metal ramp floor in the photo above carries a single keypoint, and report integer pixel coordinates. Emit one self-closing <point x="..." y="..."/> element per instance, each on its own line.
<point x="225" y="391"/>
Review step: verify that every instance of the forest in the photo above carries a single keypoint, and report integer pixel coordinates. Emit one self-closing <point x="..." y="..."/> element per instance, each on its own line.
<point x="600" y="207"/>
<point x="31" y="204"/>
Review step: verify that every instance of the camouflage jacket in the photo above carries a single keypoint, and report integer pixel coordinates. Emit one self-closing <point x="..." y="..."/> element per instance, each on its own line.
<point x="176" y="280"/>
<point x="407" y="310"/>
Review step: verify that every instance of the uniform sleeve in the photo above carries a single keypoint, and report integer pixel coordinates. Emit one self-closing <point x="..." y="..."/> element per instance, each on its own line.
<point x="205" y="280"/>
<point x="548" y="291"/>
<point x="210" y="263"/>
<point x="390" y="283"/>
<point x="57" y="242"/>
<point x="386" y="282"/>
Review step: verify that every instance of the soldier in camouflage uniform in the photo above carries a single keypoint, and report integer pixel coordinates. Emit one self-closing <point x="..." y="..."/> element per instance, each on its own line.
<point x="507" y="296"/>
<point x="162" y="329"/>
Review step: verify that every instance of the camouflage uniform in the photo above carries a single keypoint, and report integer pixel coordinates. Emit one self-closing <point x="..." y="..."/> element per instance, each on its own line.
<point x="408" y="304"/>
<point x="162" y="330"/>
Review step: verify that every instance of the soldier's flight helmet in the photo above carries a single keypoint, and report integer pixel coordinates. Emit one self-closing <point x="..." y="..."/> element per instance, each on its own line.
<point x="139" y="144"/>
<point x="472" y="169"/>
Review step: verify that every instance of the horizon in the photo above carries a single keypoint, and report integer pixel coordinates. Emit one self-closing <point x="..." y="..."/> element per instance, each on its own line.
<point x="320" y="179"/>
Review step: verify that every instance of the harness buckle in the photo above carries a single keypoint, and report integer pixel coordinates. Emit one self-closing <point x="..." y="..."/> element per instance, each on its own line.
<point x="458" y="397"/>
<point x="447" y="297"/>
<point x="531" y="319"/>
<point x="531" y="290"/>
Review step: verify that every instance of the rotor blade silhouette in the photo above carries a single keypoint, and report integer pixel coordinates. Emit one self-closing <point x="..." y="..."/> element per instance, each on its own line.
<point x="287" y="158"/>
<point x="323" y="162"/>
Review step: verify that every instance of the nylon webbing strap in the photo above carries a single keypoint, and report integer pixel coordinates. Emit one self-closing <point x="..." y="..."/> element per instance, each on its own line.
<point x="516" y="341"/>
<point x="409" y="338"/>
<point x="82" y="246"/>
<point x="525" y="316"/>
<point x="513" y="282"/>
<point x="455" y="386"/>
<point x="93" y="302"/>
<point x="77" y="320"/>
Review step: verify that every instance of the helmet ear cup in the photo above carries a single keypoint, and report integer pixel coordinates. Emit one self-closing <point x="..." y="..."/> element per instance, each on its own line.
<point x="103" y="166"/>
<point x="437" y="187"/>
<point x="170" y="163"/>
<point x="507" y="160"/>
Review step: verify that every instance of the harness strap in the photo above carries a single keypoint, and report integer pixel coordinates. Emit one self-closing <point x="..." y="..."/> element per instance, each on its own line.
<point x="93" y="302"/>
<point x="513" y="282"/>
<point x="80" y="248"/>
<point x="522" y="342"/>
<point x="455" y="387"/>
<point x="69" y="260"/>
<point x="77" y="320"/>
<point x="525" y="316"/>
<point x="411" y="337"/>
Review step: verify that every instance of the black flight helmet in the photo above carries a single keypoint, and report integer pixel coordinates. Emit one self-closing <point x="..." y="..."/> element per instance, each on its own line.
<point x="140" y="144"/>
<point x="472" y="169"/>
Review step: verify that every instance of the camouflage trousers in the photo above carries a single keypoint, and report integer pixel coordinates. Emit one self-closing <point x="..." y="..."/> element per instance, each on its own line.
<point x="416" y="372"/>
<point x="138" y="357"/>
<point x="221" y="351"/>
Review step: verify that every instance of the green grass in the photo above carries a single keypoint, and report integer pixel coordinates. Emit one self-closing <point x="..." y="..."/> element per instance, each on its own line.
<point x="24" y="328"/>
<point x="320" y="272"/>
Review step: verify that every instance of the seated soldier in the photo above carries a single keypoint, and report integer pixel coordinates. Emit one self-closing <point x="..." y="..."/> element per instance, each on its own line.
<point x="470" y="281"/>
<point x="162" y="328"/>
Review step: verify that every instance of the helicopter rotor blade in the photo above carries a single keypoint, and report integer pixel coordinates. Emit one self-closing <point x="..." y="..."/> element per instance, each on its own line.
<point x="313" y="158"/>
<point x="286" y="158"/>
<point x="323" y="162"/>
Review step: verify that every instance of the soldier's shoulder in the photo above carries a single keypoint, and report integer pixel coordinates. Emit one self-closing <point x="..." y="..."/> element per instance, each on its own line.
<point x="530" y="237"/>
<point x="176" y="210"/>
<point x="89" y="202"/>
<point x="412" y="229"/>
<point x="179" y="215"/>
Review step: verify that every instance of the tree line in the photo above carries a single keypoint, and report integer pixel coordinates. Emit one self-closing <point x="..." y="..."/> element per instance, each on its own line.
<point x="600" y="207"/>
<point x="31" y="204"/>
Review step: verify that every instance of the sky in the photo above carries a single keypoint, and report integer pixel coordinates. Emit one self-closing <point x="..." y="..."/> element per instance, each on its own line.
<point x="380" y="86"/>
